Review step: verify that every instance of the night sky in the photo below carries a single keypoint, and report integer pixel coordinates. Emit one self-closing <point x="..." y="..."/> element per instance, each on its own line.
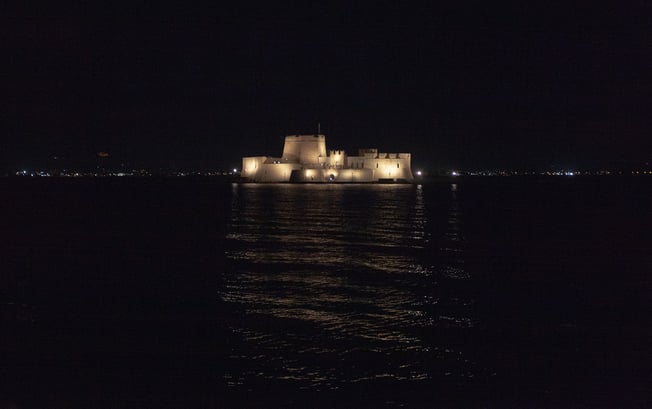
<point x="469" y="86"/>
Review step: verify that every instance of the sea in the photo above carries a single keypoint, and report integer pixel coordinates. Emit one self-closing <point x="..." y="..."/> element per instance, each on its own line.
<point x="468" y="292"/>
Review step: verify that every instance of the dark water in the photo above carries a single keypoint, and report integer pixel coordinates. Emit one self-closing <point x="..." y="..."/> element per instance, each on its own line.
<point x="197" y="293"/>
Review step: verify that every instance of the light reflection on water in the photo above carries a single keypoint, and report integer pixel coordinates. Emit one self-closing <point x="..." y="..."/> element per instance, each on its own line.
<point x="338" y="284"/>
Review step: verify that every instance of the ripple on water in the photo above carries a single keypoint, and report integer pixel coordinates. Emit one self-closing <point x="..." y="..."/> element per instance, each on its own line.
<point x="336" y="285"/>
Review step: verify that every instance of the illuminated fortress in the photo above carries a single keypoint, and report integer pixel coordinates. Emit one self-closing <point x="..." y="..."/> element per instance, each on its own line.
<point x="305" y="159"/>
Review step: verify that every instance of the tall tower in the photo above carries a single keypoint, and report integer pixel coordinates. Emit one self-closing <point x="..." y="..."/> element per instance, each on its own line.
<point x="305" y="149"/>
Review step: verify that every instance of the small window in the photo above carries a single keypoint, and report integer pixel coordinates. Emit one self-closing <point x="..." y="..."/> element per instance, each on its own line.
<point x="376" y="165"/>
<point x="397" y="165"/>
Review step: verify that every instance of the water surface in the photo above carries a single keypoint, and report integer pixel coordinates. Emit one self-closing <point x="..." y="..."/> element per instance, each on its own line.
<point x="486" y="292"/>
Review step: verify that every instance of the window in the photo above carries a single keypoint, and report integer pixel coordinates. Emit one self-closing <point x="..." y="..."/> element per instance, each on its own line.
<point x="397" y="165"/>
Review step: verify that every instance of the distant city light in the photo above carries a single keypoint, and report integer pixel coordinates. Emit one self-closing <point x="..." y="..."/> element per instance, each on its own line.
<point x="309" y="173"/>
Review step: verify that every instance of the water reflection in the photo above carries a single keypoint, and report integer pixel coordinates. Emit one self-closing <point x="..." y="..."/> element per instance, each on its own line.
<point x="337" y="284"/>
<point x="453" y="246"/>
<point x="455" y="308"/>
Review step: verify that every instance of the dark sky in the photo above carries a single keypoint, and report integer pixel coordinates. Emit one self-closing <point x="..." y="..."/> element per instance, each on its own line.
<point x="472" y="85"/>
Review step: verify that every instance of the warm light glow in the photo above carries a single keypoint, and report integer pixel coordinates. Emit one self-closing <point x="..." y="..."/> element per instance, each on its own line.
<point x="304" y="153"/>
<point x="387" y="170"/>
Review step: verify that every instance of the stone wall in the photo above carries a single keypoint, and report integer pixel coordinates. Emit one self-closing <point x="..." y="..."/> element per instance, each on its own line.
<point x="305" y="149"/>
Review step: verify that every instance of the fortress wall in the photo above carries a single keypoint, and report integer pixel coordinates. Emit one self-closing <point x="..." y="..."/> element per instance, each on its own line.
<point x="391" y="168"/>
<point x="337" y="158"/>
<point x="355" y="162"/>
<point x="368" y="152"/>
<point x="251" y="165"/>
<point x="309" y="175"/>
<point x="337" y="174"/>
<point x="304" y="148"/>
<point x="354" y="175"/>
<point x="255" y="169"/>
<point x="276" y="172"/>
<point x="313" y="175"/>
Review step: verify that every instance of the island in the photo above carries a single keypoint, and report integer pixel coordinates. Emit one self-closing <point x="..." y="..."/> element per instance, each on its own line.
<point x="306" y="160"/>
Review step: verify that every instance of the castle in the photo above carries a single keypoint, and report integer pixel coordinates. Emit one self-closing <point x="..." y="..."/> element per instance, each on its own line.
<point x="305" y="159"/>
